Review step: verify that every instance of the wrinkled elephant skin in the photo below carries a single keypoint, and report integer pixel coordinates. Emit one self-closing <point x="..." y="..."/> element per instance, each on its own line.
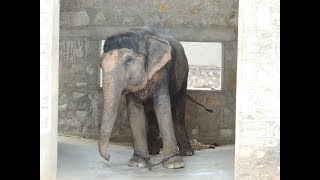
<point x="151" y="69"/>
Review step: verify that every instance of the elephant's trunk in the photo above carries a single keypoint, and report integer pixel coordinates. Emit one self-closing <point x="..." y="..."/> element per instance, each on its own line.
<point x="111" y="98"/>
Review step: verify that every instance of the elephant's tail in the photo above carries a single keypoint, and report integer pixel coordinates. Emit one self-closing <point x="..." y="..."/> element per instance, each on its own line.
<point x="194" y="101"/>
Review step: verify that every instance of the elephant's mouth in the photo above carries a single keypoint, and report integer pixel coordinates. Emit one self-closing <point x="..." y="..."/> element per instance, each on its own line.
<point x="124" y="92"/>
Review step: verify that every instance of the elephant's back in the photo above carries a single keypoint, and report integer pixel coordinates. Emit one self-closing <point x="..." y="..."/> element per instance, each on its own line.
<point x="131" y="39"/>
<point x="179" y="68"/>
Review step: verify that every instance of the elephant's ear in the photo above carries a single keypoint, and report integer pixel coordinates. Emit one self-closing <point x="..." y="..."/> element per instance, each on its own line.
<point x="158" y="54"/>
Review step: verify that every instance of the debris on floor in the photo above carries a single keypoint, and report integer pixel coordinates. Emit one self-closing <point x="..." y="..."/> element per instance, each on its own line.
<point x="198" y="146"/>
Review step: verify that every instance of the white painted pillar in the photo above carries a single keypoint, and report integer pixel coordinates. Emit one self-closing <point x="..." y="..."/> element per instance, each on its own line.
<point x="257" y="145"/>
<point x="49" y="69"/>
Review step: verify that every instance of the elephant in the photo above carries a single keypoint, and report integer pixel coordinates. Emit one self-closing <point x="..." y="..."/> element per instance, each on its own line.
<point x="150" y="69"/>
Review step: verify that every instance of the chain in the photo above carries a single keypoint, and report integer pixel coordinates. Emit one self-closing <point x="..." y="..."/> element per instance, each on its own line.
<point x="140" y="156"/>
<point x="149" y="164"/>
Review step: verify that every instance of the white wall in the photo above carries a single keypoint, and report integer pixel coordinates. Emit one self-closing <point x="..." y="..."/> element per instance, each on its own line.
<point x="203" y="53"/>
<point x="257" y="153"/>
<point x="49" y="59"/>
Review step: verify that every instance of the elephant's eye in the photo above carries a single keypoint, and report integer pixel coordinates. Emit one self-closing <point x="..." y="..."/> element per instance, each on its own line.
<point x="128" y="58"/>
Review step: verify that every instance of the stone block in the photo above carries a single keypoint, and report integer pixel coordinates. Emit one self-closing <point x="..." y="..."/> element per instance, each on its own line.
<point x="80" y="18"/>
<point x="62" y="107"/>
<point x="81" y="113"/>
<point x="77" y="95"/>
<point x="80" y="84"/>
<point x="86" y="3"/>
<point x="69" y="5"/>
<point x="225" y="132"/>
<point x="99" y="18"/>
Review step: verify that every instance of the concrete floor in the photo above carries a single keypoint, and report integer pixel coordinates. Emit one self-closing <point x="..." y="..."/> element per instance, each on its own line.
<point x="78" y="158"/>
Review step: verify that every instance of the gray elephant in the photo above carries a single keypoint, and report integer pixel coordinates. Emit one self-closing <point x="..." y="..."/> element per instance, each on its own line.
<point x="151" y="69"/>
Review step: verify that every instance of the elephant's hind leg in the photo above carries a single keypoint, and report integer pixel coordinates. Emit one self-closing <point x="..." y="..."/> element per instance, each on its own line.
<point x="137" y="121"/>
<point x="154" y="141"/>
<point x="178" y="114"/>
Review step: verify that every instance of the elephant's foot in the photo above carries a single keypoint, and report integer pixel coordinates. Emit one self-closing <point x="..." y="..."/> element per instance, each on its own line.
<point x="186" y="152"/>
<point x="174" y="163"/>
<point x="185" y="147"/>
<point x="137" y="161"/>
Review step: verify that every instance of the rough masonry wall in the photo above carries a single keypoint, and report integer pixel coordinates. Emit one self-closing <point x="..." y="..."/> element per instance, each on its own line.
<point x="204" y="77"/>
<point x="84" y="23"/>
<point x="257" y="153"/>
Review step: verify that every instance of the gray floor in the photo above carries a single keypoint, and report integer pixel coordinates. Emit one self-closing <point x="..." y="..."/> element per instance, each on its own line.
<point x="78" y="158"/>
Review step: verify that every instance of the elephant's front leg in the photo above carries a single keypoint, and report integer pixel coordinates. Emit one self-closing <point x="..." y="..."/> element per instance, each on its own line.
<point x="137" y="121"/>
<point x="162" y="109"/>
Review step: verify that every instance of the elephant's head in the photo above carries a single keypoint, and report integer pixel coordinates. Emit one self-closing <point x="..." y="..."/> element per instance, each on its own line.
<point x="125" y="70"/>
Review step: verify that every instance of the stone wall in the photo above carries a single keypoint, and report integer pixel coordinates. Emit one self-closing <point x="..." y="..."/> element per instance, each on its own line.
<point x="84" y="23"/>
<point x="78" y="96"/>
<point x="204" y="77"/>
<point x="257" y="154"/>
